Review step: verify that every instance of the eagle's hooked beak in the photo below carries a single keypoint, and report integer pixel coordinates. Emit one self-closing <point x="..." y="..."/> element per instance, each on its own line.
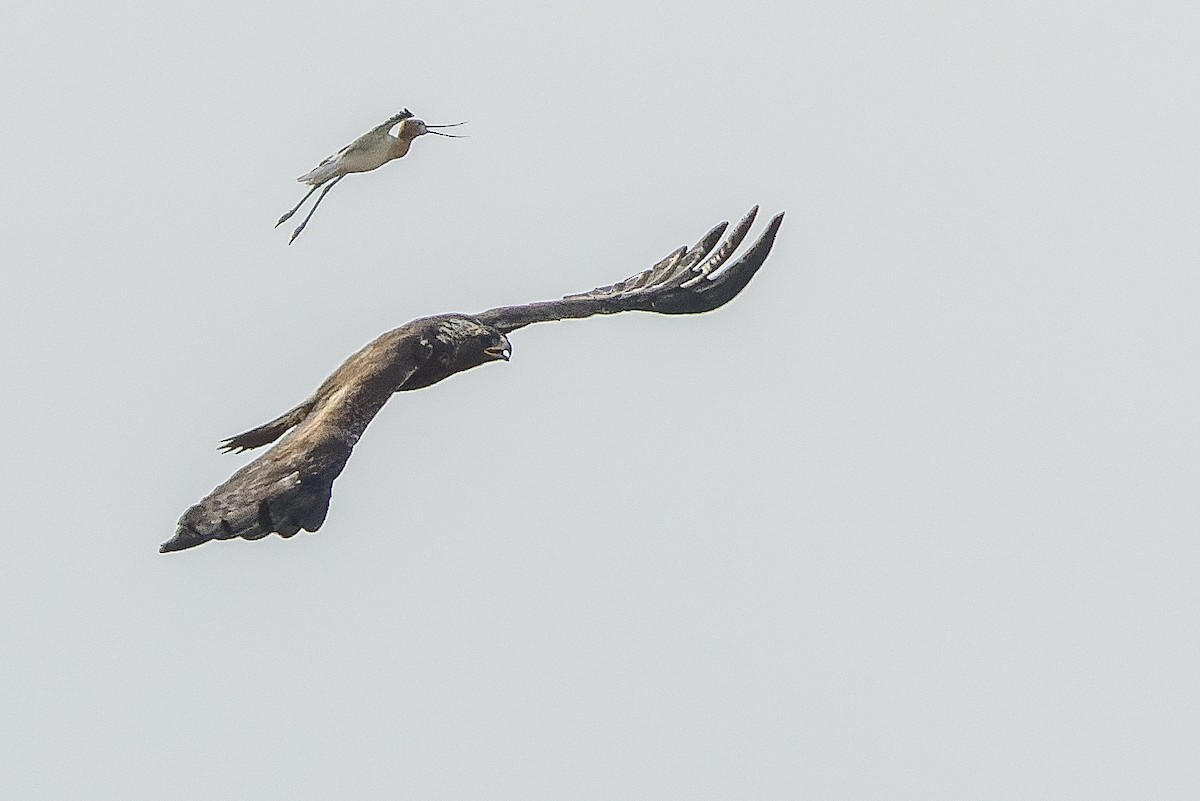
<point x="498" y="352"/>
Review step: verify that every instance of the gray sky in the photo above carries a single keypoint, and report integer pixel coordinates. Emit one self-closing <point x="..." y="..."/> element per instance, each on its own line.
<point x="913" y="517"/>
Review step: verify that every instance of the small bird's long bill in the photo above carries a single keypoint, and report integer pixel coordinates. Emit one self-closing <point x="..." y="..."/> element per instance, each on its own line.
<point x="450" y="125"/>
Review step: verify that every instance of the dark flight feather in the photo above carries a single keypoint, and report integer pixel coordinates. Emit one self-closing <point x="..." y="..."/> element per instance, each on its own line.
<point x="288" y="487"/>
<point x="685" y="282"/>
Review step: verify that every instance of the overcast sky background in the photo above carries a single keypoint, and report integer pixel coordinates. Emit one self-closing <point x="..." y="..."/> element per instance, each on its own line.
<point x="915" y="516"/>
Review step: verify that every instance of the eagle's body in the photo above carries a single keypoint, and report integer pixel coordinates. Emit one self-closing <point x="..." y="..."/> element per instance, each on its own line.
<point x="288" y="488"/>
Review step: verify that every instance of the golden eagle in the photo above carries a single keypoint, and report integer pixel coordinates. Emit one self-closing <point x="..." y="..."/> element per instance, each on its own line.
<point x="288" y="487"/>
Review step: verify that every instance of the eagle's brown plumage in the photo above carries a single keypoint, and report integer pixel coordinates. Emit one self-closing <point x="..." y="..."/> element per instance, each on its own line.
<point x="288" y="487"/>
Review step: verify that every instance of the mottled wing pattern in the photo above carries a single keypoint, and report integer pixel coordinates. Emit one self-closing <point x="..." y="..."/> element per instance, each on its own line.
<point x="284" y="490"/>
<point x="288" y="487"/>
<point x="688" y="281"/>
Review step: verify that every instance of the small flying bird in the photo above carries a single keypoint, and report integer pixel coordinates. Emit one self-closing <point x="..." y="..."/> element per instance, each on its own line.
<point x="288" y="487"/>
<point x="371" y="150"/>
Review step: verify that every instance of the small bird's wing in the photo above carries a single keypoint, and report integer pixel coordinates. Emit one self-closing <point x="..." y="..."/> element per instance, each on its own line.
<point x="317" y="175"/>
<point x="390" y="122"/>
<point x="688" y="281"/>
<point x="372" y="137"/>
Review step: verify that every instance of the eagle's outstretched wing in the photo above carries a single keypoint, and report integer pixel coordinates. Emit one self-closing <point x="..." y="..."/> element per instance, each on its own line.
<point x="688" y="281"/>
<point x="284" y="490"/>
<point x="288" y="487"/>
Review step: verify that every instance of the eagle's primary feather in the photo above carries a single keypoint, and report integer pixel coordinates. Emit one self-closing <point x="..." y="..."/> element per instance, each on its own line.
<point x="288" y="487"/>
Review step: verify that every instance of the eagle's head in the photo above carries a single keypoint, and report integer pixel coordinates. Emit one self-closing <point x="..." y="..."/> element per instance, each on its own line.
<point x="472" y="342"/>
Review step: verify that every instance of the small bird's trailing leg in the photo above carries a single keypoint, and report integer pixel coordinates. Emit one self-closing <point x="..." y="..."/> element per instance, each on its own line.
<point x="320" y="197"/>
<point x="288" y="215"/>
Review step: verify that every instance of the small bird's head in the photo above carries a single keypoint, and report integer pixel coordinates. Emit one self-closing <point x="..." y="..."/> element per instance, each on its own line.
<point x="411" y="128"/>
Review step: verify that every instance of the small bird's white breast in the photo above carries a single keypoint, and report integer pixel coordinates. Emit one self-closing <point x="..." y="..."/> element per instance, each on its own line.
<point x="365" y="159"/>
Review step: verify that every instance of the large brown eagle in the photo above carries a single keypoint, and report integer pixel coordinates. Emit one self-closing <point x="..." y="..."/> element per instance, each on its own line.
<point x="288" y="487"/>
